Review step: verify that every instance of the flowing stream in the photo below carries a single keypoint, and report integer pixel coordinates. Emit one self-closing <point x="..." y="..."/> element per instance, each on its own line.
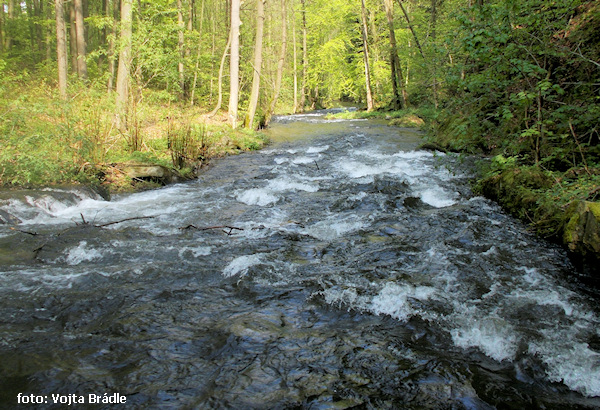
<point x="339" y="267"/>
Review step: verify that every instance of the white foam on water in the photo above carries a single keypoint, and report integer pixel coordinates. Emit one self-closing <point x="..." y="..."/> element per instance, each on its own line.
<point x="196" y="251"/>
<point x="373" y="163"/>
<point x="47" y="204"/>
<point x="416" y="154"/>
<point x="574" y="364"/>
<point x="241" y="264"/>
<point x="437" y="197"/>
<point x="492" y="335"/>
<point x="286" y="184"/>
<point x="395" y="300"/>
<point x="271" y="193"/>
<point x="81" y="253"/>
<point x="257" y="196"/>
<point x="49" y="210"/>
<point x="356" y="169"/>
<point x="346" y="296"/>
<point x="358" y="197"/>
<point x="316" y="150"/>
<point x="31" y="281"/>
<point x="330" y="229"/>
<point x="303" y="160"/>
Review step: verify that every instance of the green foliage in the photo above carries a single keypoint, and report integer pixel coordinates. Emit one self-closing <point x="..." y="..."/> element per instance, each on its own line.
<point x="521" y="88"/>
<point x="187" y="144"/>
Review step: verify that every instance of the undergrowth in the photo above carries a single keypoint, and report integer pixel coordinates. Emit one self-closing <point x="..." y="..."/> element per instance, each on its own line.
<point x="47" y="141"/>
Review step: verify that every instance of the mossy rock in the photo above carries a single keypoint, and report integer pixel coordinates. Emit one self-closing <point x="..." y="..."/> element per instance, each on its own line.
<point x="407" y="121"/>
<point x="516" y="189"/>
<point x="582" y="231"/>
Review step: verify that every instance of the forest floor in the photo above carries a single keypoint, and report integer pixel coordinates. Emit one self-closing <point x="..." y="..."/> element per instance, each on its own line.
<point x="46" y="141"/>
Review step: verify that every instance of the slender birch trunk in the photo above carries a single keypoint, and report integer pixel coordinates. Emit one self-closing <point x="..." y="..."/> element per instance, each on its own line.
<point x="234" y="64"/>
<point x="366" y="57"/>
<point x="198" y="52"/>
<point x="61" y="48"/>
<point x="396" y="68"/>
<point x="124" y="64"/>
<point x="180" y="65"/>
<point x="220" y="81"/>
<point x="258" y="46"/>
<point x="281" y="61"/>
<point x="80" y="33"/>
<point x="304" y="58"/>
<point x="295" y="59"/>
<point x="112" y="59"/>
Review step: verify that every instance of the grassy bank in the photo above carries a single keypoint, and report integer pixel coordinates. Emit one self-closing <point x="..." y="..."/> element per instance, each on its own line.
<point x="46" y="141"/>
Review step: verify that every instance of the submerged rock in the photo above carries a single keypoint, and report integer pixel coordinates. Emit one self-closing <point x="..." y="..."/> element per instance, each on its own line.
<point x="7" y="218"/>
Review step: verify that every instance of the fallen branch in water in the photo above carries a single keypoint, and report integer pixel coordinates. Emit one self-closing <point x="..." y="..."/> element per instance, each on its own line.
<point x="27" y="232"/>
<point x="208" y="228"/>
<point x="123" y="220"/>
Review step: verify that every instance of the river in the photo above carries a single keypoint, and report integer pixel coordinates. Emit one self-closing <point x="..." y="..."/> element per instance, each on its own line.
<point x="338" y="267"/>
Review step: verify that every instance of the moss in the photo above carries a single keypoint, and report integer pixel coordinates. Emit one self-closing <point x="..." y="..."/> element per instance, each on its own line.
<point x="408" y="120"/>
<point x="595" y="208"/>
<point x="570" y="227"/>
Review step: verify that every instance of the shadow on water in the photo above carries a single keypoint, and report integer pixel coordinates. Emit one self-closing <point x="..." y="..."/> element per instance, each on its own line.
<point x="337" y="268"/>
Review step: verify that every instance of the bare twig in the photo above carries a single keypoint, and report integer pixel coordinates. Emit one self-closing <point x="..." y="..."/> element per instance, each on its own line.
<point x="580" y="150"/>
<point x="27" y="232"/>
<point x="208" y="228"/>
<point x="579" y="54"/>
<point x="122" y="220"/>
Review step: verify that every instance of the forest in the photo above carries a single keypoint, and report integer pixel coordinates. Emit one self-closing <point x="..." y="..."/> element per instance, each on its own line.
<point x="87" y="84"/>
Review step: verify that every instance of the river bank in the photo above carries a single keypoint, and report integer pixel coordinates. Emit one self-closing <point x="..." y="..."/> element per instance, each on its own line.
<point x="49" y="142"/>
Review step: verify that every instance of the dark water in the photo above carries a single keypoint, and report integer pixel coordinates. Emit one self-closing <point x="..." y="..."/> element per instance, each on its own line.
<point x="337" y="268"/>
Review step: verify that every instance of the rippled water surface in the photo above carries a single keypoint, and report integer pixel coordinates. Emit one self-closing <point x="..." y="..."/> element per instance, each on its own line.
<point x="337" y="268"/>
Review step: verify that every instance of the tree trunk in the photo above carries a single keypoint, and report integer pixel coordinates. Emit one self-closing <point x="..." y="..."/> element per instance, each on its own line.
<point x="295" y="60"/>
<point x="40" y="31"/>
<point x="258" y="45"/>
<point x="366" y="57"/>
<point x="180" y="65"/>
<point x="72" y="38"/>
<point x="30" y="20"/>
<point x="281" y="61"/>
<point x="198" y="52"/>
<point x="124" y="64"/>
<point x="396" y="69"/>
<point x="80" y="33"/>
<point x="112" y="58"/>
<point x="61" y="48"/>
<point x="220" y="81"/>
<point x="234" y="63"/>
<point x="8" y="30"/>
<point x="412" y="30"/>
<point x="48" y="31"/>
<point x="304" y="58"/>
<point x="433" y="38"/>
<point x="2" y="27"/>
